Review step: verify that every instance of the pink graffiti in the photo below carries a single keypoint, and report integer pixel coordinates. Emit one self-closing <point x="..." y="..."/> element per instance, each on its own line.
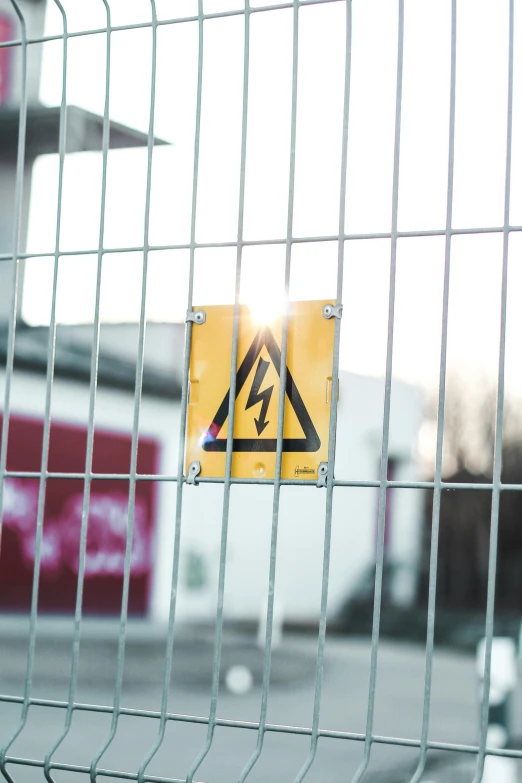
<point x="107" y="526"/>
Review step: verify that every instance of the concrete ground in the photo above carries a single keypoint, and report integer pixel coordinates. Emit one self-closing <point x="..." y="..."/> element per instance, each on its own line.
<point x="398" y="706"/>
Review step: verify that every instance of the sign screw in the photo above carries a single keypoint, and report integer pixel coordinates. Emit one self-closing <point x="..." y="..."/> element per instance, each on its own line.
<point x="322" y="473"/>
<point x="198" y="317"/>
<point x="330" y="310"/>
<point x="193" y="471"/>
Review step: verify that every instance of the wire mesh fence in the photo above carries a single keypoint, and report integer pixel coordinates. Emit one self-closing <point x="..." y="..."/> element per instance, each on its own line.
<point x="11" y="764"/>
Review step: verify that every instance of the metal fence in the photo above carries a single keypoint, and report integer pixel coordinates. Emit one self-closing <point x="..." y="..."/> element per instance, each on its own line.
<point x="9" y="763"/>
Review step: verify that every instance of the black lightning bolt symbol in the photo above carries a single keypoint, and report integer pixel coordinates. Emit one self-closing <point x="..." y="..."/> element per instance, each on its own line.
<point x="264" y="397"/>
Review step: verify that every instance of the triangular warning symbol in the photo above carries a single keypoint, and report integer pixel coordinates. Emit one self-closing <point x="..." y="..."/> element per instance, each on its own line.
<point x="311" y="441"/>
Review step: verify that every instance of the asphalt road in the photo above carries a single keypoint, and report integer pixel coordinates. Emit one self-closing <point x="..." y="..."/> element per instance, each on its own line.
<point x="398" y="709"/>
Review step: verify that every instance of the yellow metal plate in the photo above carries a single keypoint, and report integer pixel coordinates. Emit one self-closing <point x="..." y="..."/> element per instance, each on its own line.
<point x="307" y="399"/>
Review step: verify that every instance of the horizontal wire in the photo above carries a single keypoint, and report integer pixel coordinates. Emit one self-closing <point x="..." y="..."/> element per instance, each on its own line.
<point x="113" y="773"/>
<point x="280" y="728"/>
<point x="365" y="484"/>
<point x="435" y="232"/>
<point x="164" y="22"/>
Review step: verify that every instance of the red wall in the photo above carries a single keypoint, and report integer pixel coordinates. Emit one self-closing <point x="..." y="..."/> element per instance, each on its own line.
<point x="62" y="519"/>
<point x="6" y="56"/>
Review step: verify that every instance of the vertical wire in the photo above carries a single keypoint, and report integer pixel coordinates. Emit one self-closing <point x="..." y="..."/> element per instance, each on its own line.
<point x="51" y="347"/>
<point x="267" y="661"/>
<point x="136" y="416"/>
<point x="386" y="414"/>
<point x="435" y="520"/>
<point x="497" y="458"/>
<point x="218" y="637"/>
<point x="17" y="223"/>
<point x="334" y="406"/>
<point x="182" y="426"/>
<point x="90" y="426"/>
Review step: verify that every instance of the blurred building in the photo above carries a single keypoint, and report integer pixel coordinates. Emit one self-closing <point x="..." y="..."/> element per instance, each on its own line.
<point x="65" y="445"/>
<point x="83" y="132"/>
<point x="302" y="513"/>
<point x="66" y="453"/>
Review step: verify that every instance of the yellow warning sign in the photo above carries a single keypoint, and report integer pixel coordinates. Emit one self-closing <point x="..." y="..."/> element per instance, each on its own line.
<point x="257" y="380"/>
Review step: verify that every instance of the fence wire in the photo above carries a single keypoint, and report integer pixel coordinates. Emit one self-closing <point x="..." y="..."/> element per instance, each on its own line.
<point x="369" y="738"/>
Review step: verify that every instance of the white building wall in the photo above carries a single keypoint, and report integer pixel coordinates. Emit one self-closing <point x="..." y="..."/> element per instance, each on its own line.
<point x="406" y="539"/>
<point x="302" y="509"/>
<point x="301" y="526"/>
<point x="34" y="15"/>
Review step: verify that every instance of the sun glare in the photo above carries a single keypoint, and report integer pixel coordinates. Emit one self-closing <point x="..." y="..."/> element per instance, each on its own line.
<point x="265" y="309"/>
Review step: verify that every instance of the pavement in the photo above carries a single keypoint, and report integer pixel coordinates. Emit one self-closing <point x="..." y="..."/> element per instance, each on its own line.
<point x="398" y="705"/>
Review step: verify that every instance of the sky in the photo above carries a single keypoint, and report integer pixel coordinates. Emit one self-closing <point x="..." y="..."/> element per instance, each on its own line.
<point x="480" y="149"/>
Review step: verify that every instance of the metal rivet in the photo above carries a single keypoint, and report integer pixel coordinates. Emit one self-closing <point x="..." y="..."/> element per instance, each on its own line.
<point x="193" y="471"/>
<point x="330" y="310"/>
<point x="322" y="473"/>
<point x="197" y="317"/>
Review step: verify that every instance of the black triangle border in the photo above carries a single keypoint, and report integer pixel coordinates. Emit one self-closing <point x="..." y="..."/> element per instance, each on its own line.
<point x="310" y="443"/>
